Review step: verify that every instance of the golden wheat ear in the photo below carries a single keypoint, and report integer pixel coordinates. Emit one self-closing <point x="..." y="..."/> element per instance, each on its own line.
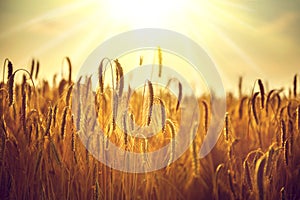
<point x="262" y="92"/>
<point x="151" y="100"/>
<point x="11" y="89"/>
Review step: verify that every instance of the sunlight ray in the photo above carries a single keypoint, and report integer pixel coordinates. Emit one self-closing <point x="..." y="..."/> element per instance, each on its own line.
<point x="53" y="14"/>
<point x="239" y="51"/>
<point x="212" y="13"/>
<point x="59" y="39"/>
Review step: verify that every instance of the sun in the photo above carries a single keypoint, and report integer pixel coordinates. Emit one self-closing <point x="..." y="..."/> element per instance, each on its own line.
<point x="141" y="13"/>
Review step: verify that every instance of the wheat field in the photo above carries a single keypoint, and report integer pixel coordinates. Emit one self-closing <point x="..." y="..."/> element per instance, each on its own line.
<point x="42" y="155"/>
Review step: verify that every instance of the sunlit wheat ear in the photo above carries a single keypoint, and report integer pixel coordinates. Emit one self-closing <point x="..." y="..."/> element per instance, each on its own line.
<point x="120" y="79"/>
<point x="115" y="110"/>
<point x="151" y="100"/>
<point x="298" y="118"/>
<point x="253" y="103"/>
<point x="68" y="96"/>
<point x="241" y="106"/>
<point x="88" y="84"/>
<point x="162" y="112"/>
<point x="132" y="122"/>
<point x="73" y="140"/>
<point x="54" y="114"/>
<point x="171" y="126"/>
<point x="289" y="109"/>
<point x="11" y="89"/>
<point x="195" y="161"/>
<point x="49" y="121"/>
<point x="282" y="132"/>
<point x="205" y="106"/>
<point x="259" y="177"/>
<point x="32" y="68"/>
<point x="295" y="86"/>
<point x="262" y="93"/>
<point x="101" y="77"/>
<point x="125" y="129"/>
<point x="159" y="61"/>
<point x="194" y="151"/>
<point x="240" y="86"/>
<point x="141" y="60"/>
<point x="179" y="95"/>
<point x="37" y="69"/>
<point x="270" y="160"/>
<point x="247" y="175"/>
<point x="64" y="122"/>
<point x="10" y="69"/>
<point x="70" y="69"/>
<point x="268" y="100"/>
<point x="226" y="128"/>
<point x="61" y="87"/>
<point x="230" y="178"/>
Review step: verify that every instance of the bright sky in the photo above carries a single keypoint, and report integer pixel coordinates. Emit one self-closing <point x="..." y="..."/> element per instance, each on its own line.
<point x="252" y="38"/>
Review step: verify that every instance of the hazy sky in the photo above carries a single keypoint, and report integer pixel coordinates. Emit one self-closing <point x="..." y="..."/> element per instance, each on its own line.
<point x="252" y="38"/>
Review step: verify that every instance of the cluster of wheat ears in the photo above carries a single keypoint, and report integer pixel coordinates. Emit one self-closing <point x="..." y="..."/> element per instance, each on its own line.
<point x="42" y="155"/>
